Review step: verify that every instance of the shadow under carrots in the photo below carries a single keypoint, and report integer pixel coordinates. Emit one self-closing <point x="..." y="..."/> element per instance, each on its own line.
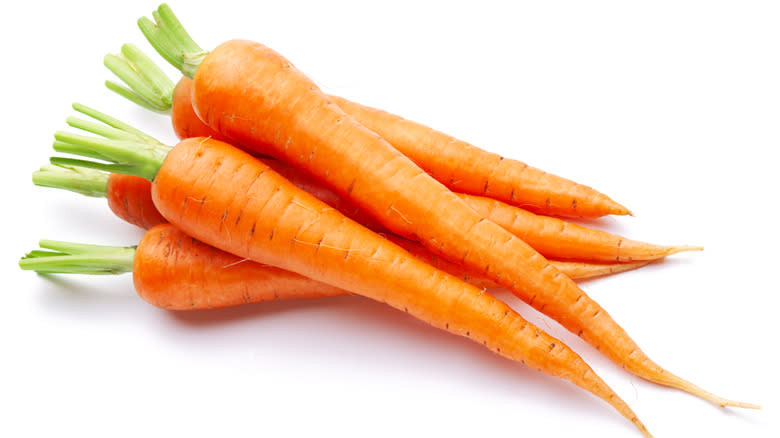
<point x="371" y="327"/>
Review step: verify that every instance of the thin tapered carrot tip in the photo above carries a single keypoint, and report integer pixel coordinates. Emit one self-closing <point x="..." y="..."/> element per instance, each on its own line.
<point x="736" y="404"/>
<point x="619" y="210"/>
<point x="643" y="429"/>
<point x="681" y="248"/>
<point x="679" y="383"/>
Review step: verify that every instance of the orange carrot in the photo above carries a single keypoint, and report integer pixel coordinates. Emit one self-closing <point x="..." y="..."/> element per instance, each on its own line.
<point x="126" y="200"/>
<point x="557" y="238"/>
<point x="459" y="165"/>
<point x="257" y="98"/>
<point x="228" y="199"/>
<point x="130" y="198"/>
<point x="552" y="237"/>
<point x="173" y="271"/>
<point x="466" y="168"/>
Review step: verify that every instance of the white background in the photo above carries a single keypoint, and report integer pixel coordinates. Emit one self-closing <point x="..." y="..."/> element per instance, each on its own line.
<point x="671" y="107"/>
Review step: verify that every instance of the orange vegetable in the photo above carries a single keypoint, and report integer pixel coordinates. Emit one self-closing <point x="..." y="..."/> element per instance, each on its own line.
<point x="459" y="165"/>
<point x="466" y="168"/>
<point x="130" y="198"/>
<point x="257" y="98"/>
<point x="552" y="237"/>
<point x="228" y="199"/>
<point x="173" y="271"/>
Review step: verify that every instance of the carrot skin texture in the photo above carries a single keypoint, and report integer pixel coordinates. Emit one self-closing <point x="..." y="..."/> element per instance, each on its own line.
<point x="559" y="239"/>
<point x="552" y="237"/>
<point x="129" y="197"/>
<point x="185" y="123"/>
<point x="173" y="271"/>
<point x="460" y="166"/>
<point x="265" y="117"/>
<point x="273" y="222"/>
<point x="466" y="168"/>
<point x="256" y="97"/>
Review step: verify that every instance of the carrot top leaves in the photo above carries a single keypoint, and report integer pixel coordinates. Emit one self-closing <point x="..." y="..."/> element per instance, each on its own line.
<point x="58" y="257"/>
<point x="148" y="86"/>
<point x="171" y="40"/>
<point x="122" y="148"/>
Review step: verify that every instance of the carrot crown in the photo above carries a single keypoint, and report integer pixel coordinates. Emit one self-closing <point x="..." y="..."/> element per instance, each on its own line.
<point x="171" y="41"/>
<point x="56" y="257"/>
<point x="77" y="179"/>
<point x="122" y="148"/>
<point x="145" y="83"/>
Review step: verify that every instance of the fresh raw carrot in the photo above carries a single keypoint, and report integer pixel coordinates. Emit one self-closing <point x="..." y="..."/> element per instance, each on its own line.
<point x="173" y="271"/>
<point x="130" y="198"/>
<point x="552" y="237"/>
<point x="256" y="97"/>
<point x="459" y="165"/>
<point x="226" y="198"/>
<point x="466" y="168"/>
<point x="557" y="238"/>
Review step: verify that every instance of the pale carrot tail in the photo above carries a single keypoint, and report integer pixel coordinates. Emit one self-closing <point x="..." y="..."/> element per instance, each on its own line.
<point x="673" y="381"/>
<point x="669" y="250"/>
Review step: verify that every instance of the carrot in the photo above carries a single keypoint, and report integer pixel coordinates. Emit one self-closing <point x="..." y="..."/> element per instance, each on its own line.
<point x="176" y="272"/>
<point x="552" y="237"/>
<point x="466" y="168"/>
<point x="557" y="238"/>
<point x="130" y="198"/>
<point x="459" y="165"/>
<point x="257" y="98"/>
<point x="228" y="199"/>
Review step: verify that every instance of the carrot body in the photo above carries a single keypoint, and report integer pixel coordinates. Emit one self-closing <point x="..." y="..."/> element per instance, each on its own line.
<point x="466" y="168"/>
<point x="552" y="237"/>
<point x="129" y="197"/>
<point x="256" y="97"/>
<point x="185" y="123"/>
<point x="459" y="165"/>
<point x="226" y="198"/>
<point x="560" y="239"/>
<point x="308" y="130"/>
<point x="173" y="271"/>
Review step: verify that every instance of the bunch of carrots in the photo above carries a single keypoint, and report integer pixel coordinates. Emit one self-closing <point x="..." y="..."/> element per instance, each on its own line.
<point x="278" y="191"/>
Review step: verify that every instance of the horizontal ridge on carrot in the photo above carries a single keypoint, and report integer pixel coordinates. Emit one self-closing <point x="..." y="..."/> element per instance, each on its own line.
<point x="552" y="237"/>
<point x="257" y="98"/>
<point x="224" y="197"/>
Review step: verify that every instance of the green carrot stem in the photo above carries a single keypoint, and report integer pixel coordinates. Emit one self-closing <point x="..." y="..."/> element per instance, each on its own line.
<point x="76" y="258"/>
<point x="148" y="86"/>
<point x="132" y="96"/>
<point x="125" y="149"/>
<point x="124" y="169"/>
<point x="169" y="38"/>
<point x="100" y="129"/>
<point x="110" y="121"/>
<point x="148" y="70"/>
<point x="82" y="180"/>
